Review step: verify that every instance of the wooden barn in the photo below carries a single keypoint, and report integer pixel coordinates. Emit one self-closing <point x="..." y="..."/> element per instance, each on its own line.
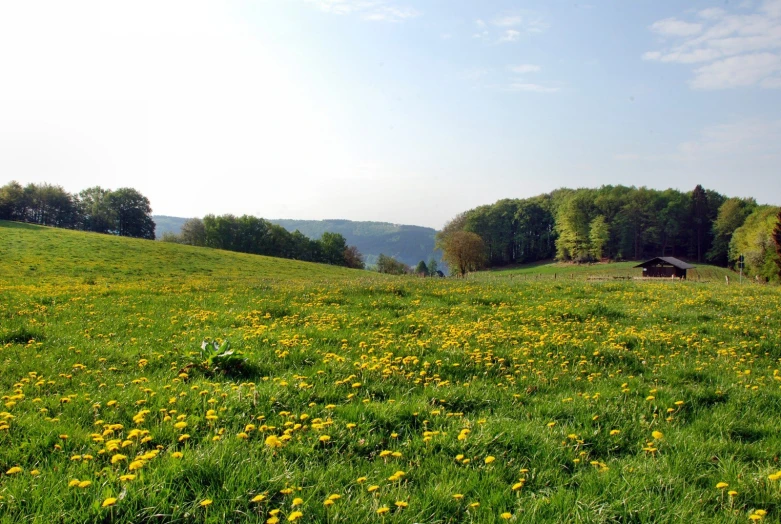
<point x="661" y="267"/>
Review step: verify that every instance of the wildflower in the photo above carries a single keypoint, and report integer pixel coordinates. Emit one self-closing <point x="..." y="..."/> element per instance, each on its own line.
<point x="458" y="496"/>
<point x="205" y="502"/>
<point x="294" y="516"/>
<point x="297" y="501"/>
<point x="84" y="484"/>
<point x="118" y="458"/>
<point x="489" y="459"/>
<point x="506" y="515"/>
<point x="722" y="485"/>
<point x="372" y="489"/>
<point x="361" y="480"/>
<point x="401" y="504"/>
<point x="177" y="454"/>
<point x="324" y="438"/>
<point x="383" y="510"/>
<point x="658" y="435"/>
<point x="126" y="478"/>
<point x="109" y="502"/>
<point x="273" y="441"/>
<point x="732" y="493"/>
<point x="73" y="483"/>
<point x="614" y="432"/>
<point x="14" y="470"/>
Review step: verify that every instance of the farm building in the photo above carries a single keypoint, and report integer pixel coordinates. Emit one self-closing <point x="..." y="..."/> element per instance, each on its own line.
<point x="665" y="267"/>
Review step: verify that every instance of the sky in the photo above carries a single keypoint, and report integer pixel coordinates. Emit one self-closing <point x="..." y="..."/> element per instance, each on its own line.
<point x="390" y="110"/>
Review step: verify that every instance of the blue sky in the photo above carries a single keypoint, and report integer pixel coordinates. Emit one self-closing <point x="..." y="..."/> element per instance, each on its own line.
<point x="407" y="112"/>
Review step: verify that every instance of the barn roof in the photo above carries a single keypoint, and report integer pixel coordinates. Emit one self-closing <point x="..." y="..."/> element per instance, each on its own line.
<point x="669" y="261"/>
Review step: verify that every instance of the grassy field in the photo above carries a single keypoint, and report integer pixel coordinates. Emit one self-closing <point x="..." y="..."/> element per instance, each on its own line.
<point x="366" y="398"/>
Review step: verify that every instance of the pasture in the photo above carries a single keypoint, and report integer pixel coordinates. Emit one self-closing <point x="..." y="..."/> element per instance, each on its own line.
<point x="365" y="398"/>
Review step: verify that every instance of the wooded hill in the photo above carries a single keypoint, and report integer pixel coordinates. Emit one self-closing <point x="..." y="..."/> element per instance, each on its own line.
<point x="407" y="244"/>
<point x="625" y="223"/>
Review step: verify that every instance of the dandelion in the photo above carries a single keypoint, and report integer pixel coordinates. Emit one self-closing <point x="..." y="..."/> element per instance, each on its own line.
<point x="177" y="454"/>
<point x="127" y="478"/>
<point x="205" y="502"/>
<point x="108" y="502"/>
<point x="401" y="504"/>
<point x="297" y="501"/>
<point x="84" y="484"/>
<point x="324" y="438"/>
<point x="722" y="485"/>
<point x="458" y="496"/>
<point x="489" y="459"/>
<point x="372" y="489"/>
<point x="118" y="458"/>
<point x="658" y="435"/>
<point x="273" y="441"/>
<point x="14" y="470"/>
<point x="506" y="515"/>
<point x="383" y="510"/>
<point x="614" y="432"/>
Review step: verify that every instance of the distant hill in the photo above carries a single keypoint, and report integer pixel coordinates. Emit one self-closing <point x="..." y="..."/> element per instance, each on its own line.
<point x="409" y="244"/>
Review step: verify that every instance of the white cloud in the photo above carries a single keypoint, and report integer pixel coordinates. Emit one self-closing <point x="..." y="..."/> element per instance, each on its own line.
<point x="373" y="10"/>
<point x="712" y="13"/>
<point x="532" y="88"/>
<point x="522" y="69"/>
<point x="508" y="21"/>
<point x="733" y="50"/>
<point x="480" y="24"/>
<point x="739" y="71"/>
<point x="675" y="27"/>
<point x="511" y="35"/>
<point x="752" y="137"/>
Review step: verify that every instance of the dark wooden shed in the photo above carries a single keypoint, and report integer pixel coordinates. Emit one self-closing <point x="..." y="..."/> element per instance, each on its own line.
<point x="661" y="267"/>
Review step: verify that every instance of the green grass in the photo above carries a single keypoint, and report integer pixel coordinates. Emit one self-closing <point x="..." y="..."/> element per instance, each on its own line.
<point x="95" y="330"/>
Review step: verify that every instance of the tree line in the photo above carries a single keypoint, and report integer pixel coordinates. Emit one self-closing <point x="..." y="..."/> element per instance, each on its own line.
<point x="615" y="223"/>
<point x="249" y="234"/>
<point x="124" y="211"/>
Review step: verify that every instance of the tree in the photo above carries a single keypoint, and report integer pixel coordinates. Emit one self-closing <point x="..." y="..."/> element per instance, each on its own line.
<point x="433" y="267"/>
<point x="421" y="269"/>
<point x="353" y="258"/>
<point x="390" y="265"/>
<point x="193" y="232"/>
<point x="755" y="240"/>
<point x="96" y="211"/>
<point x="599" y="234"/>
<point x="333" y="246"/>
<point x="133" y="213"/>
<point x="731" y="215"/>
<point x="464" y="251"/>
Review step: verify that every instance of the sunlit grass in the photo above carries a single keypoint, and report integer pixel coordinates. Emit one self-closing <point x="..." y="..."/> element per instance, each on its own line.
<point x="461" y="401"/>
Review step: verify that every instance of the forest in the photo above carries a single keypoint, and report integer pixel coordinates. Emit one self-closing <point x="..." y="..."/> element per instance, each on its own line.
<point x="625" y="223"/>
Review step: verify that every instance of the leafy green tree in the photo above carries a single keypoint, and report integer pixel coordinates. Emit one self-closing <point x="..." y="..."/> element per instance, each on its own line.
<point x="12" y="205"/>
<point x="755" y="240"/>
<point x="731" y="215"/>
<point x="464" y="251"/>
<point x="433" y="267"/>
<point x="332" y="246"/>
<point x="572" y="223"/>
<point x="421" y="269"/>
<point x="390" y="265"/>
<point x="599" y="235"/>
<point x="133" y="213"/>
<point x="97" y="214"/>
<point x="193" y="232"/>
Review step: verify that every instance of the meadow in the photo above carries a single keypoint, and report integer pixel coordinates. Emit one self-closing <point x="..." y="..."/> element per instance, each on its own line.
<point x="368" y="398"/>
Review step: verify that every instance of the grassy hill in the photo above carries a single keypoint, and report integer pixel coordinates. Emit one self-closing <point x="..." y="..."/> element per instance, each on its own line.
<point x="35" y="253"/>
<point x="358" y="397"/>
<point x="409" y="244"/>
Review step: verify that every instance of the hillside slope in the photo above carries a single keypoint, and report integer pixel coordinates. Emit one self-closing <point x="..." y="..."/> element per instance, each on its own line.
<point x="36" y="252"/>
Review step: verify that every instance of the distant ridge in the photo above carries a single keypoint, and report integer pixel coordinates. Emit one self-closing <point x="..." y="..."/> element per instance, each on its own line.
<point x="406" y="243"/>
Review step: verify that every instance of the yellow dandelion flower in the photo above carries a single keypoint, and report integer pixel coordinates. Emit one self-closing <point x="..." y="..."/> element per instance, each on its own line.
<point x="722" y="485"/>
<point x="206" y="502"/>
<point x="109" y="502"/>
<point x="383" y="510"/>
<point x="489" y="459"/>
<point x="14" y="470"/>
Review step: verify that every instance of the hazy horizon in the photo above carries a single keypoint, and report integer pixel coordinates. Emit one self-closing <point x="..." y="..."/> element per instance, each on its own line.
<point x="406" y="112"/>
